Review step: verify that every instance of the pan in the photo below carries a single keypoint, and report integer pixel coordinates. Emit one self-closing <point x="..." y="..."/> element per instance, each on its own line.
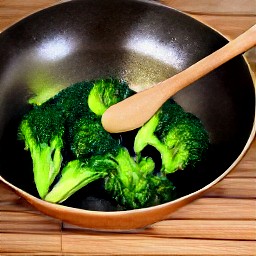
<point x="142" y="42"/>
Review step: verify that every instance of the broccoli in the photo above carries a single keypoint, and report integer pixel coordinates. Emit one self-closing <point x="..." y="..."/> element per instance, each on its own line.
<point x="77" y="174"/>
<point x="42" y="130"/>
<point x="135" y="185"/>
<point x="97" y="155"/>
<point x="93" y="96"/>
<point x="67" y="119"/>
<point x="73" y="101"/>
<point x="180" y="137"/>
<point x="87" y="137"/>
<point x="132" y="184"/>
<point x="70" y="148"/>
<point x="91" y="147"/>
<point x="106" y="93"/>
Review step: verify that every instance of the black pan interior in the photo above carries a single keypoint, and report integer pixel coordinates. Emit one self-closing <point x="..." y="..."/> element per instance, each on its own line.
<point x="140" y="41"/>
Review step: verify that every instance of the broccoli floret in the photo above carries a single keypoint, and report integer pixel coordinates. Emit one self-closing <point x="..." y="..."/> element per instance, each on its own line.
<point x="134" y="185"/>
<point x="88" y="138"/>
<point x="77" y="174"/>
<point x="93" y="96"/>
<point x="106" y="93"/>
<point x="180" y="137"/>
<point x="73" y="101"/>
<point x="42" y="130"/>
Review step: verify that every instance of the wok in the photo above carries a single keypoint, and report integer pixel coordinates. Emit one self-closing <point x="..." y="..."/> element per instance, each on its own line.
<point x="144" y="43"/>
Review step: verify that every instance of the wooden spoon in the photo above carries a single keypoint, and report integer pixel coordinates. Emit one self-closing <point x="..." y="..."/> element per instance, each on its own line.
<point x="136" y="110"/>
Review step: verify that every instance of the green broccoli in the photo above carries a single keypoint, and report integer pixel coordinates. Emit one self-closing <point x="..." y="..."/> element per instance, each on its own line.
<point x="135" y="185"/>
<point x="73" y="100"/>
<point x="97" y="155"/>
<point x="90" y="96"/>
<point x="77" y="174"/>
<point x="106" y="93"/>
<point x="66" y="138"/>
<point x="91" y="147"/>
<point x="42" y="130"/>
<point x="180" y="137"/>
<point x="132" y="184"/>
<point x="87" y="137"/>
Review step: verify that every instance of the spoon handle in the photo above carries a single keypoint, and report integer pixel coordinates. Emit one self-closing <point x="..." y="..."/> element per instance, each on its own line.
<point x="134" y="111"/>
<point x="235" y="47"/>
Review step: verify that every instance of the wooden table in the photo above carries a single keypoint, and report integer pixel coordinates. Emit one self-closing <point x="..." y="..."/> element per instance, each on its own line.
<point x="220" y="223"/>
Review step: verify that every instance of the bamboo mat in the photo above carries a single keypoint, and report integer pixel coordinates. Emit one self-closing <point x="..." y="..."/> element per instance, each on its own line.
<point x="222" y="222"/>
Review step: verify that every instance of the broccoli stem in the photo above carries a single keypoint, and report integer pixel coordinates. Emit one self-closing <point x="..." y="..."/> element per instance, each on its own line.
<point x="165" y="152"/>
<point x="146" y="136"/>
<point x="41" y="166"/>
<point x="129" y="171"/>
<point x="46" y="159"/>
<point x="75" y="175"/>
<point x="126" y="166"/>
<point x="46" y="165"/>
